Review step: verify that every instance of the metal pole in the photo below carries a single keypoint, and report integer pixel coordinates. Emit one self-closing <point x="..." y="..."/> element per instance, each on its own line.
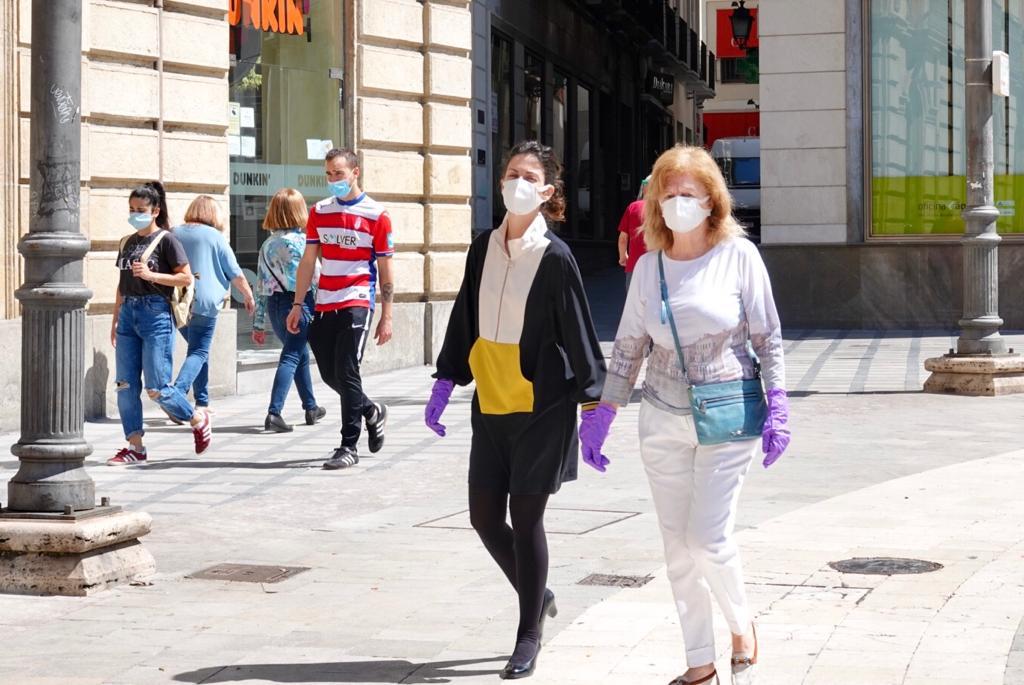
<point x="52" y="448"/>
<point x="979" y="327"/>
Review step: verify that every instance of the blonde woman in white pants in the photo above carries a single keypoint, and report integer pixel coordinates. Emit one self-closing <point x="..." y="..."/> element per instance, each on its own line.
<point x="718" y="295"/>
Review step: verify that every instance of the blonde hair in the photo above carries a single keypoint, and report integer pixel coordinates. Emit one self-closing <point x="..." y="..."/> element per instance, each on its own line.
<point x="287" y="209"/>
<point x="695" y="161"/>
<point x="204" y="210"/>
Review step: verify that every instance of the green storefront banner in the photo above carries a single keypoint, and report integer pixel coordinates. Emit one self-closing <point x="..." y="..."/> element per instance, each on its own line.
<point x="931" y="205"/>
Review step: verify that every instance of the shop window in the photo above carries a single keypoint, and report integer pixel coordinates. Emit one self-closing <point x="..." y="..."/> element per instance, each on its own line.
<point x="284" y="112"/>
<point x="739" y="69"/>
<point x="583" y="175"/>
<point x="560" y="122"/>
<point x="534" y="84"/>
<point x="918" y="137"/>
<point x="502" y="130"/>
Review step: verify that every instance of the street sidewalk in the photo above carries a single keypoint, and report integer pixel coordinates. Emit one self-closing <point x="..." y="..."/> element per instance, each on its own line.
<point x="399" y="589"/>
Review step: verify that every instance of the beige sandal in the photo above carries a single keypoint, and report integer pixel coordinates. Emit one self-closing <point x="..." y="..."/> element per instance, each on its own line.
<point x="743" y="666"/>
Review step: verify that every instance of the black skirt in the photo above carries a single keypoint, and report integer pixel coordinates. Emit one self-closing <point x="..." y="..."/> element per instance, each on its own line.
<point x="524" y="454"/>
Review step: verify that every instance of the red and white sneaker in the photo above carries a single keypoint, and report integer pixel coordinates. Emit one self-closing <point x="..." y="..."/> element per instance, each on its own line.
<point x="203" y="433"/>
<point x="127" y="456"/>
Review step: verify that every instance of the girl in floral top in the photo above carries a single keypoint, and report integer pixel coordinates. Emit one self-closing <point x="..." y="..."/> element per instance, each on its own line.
<point x="275" y="291"/>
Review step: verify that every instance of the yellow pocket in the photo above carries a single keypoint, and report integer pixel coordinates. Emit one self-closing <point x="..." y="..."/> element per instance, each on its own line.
<point x="500" y="386"/>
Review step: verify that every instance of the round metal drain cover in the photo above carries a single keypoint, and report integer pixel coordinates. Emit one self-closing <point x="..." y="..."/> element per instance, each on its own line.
<point x="884" y="566"/>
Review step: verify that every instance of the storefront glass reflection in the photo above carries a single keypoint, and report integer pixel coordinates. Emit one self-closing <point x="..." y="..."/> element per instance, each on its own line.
<point x="285" y="111"/>
<point x="918" y="161"/>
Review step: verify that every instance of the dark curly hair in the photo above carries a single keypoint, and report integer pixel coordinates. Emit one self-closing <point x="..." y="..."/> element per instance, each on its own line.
<point x="553" y="209"/>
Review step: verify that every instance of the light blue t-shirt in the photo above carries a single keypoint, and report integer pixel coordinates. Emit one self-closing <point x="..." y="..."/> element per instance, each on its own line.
<point x="213" y="264"/>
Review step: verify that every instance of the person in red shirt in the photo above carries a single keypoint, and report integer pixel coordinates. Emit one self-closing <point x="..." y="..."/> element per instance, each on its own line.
<point x="350" y="233"/>
<point x="631" y="238"/>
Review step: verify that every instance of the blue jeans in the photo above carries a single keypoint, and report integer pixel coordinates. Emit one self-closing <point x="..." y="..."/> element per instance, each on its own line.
<point x="195" y="370"/>
<point x="294" y="361"/>
<point x="145" y="351"/>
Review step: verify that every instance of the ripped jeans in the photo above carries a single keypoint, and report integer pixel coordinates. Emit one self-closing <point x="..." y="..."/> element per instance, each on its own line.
<point x="145" y="351"/>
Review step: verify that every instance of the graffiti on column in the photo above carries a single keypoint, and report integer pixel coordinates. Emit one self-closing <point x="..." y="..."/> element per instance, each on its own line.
<point x="64" y="108"/>
<point x="58" y="187"/>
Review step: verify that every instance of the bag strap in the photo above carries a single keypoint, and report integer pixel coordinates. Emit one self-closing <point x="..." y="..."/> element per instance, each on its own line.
<point x="267" y="264"/>
<point x="666" y="314"/>
<point x="152" y="246"/>
<point x="666" y="317"/>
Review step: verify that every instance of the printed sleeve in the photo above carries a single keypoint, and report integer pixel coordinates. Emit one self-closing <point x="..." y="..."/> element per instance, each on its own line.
<point x="259" y="321"/>
<point x="631" y="341"/>
<point x="312" y="228"/>
<point x="762" y="318"/>
<point x="226" y="256"/>
<point x="383" y="242"/>
<point x="174" y="254"/>
<point x="461" y="334"/>
<point x="577" y="335"/>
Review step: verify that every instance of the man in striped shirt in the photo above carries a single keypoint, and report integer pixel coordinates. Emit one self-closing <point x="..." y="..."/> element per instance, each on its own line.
<point x="350" y="234"/>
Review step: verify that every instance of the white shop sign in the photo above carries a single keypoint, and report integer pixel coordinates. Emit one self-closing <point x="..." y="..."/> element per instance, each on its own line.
<point x="266" y="179"/>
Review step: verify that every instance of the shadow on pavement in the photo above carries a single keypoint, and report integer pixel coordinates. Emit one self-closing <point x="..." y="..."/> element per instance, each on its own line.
<point x="201" y="463"/>
<point x="383" y="671"/>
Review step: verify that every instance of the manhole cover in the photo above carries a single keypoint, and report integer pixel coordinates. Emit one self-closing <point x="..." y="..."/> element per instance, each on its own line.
<point x="248" y="573"/>
<point x="884" y="566"/>
<point x="615" y="581"/>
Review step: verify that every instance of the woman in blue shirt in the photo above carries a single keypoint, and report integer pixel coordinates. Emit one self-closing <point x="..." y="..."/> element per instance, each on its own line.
<point x="215" y="269"/>
<point x="275" y="288"/>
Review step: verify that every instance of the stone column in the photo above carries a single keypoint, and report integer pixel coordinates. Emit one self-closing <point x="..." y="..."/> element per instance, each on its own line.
<point x="45" y="547"/>
<point x="9" y="262"/>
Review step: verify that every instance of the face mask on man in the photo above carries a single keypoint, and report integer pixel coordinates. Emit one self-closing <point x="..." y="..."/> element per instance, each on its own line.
<point x="140" y="220"/>
<point x="340" y="189"/>
<point x="520" y="196"/>
<point x="684" y="214"/>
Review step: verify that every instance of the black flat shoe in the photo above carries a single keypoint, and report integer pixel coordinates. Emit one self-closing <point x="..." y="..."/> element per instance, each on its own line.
<point x="549" y="609"/>
<point x="275" y="423"/>
<point x="515" y="671"/>
<point x="314" y="415"/>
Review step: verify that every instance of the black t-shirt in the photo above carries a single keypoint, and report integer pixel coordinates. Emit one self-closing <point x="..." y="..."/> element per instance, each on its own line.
<point x="168" y="256"/>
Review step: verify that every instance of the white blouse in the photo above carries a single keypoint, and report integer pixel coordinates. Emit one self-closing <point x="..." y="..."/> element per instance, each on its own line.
<point x="719" y="301"/>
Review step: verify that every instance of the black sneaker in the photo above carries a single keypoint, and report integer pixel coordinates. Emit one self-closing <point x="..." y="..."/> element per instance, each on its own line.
<point x="314" y="415"/>
<point x="343" y="458"/>
<point x="275" y="423"/>
<point x="375" y="427"/>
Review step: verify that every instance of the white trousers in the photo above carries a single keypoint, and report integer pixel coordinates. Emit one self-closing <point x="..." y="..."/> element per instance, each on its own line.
<point x="695" y="490"/>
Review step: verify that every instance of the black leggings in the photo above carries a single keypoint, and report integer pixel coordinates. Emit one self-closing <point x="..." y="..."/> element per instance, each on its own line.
<point x="520" y="550"/>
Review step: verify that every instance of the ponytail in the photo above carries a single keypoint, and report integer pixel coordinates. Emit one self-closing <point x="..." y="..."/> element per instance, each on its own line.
<point x="153" y="193"/>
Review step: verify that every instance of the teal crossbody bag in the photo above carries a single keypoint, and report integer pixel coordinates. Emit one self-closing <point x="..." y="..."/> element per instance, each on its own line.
<point x="722" y="412"/>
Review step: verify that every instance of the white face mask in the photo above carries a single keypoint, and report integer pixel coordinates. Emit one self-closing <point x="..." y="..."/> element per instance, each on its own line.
<point x="683" y="214"/>
<point x="521" y="196"/>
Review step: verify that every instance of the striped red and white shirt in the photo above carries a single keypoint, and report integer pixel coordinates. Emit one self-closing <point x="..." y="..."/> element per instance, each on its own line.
<point x="351" y="236"/>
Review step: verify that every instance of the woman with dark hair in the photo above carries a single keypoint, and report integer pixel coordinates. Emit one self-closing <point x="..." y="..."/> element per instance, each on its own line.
<point x="521" y="329"/>
<point x="151" y="262"/>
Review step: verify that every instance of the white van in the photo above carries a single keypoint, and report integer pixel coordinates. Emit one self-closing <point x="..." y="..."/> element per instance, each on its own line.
<point x="740" y="161"/>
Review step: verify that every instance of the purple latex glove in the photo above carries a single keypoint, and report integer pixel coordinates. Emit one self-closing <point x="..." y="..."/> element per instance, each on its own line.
<point x="439" y="395"/>
<point x="775" y="435"/>
<point x="594" y="426"/>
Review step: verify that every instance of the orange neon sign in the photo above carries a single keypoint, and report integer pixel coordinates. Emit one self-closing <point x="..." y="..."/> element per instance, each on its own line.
<point x="275" y="16"/>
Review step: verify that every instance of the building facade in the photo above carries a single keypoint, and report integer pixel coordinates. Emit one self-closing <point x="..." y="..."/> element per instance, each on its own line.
<point x="236" y="99"/>
<point x="609" y="84"/>
<point x="863" y="161"/>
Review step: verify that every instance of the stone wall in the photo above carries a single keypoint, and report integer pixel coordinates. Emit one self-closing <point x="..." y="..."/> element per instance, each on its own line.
<point x="154" y="106"/>
<point x="803" y="122"/>
<point x="411" y="121"/>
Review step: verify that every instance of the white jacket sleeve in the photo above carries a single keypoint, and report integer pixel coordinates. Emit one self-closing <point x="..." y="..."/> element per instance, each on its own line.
<point x="631" y="342"/>
<point x="762" y="319"/>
